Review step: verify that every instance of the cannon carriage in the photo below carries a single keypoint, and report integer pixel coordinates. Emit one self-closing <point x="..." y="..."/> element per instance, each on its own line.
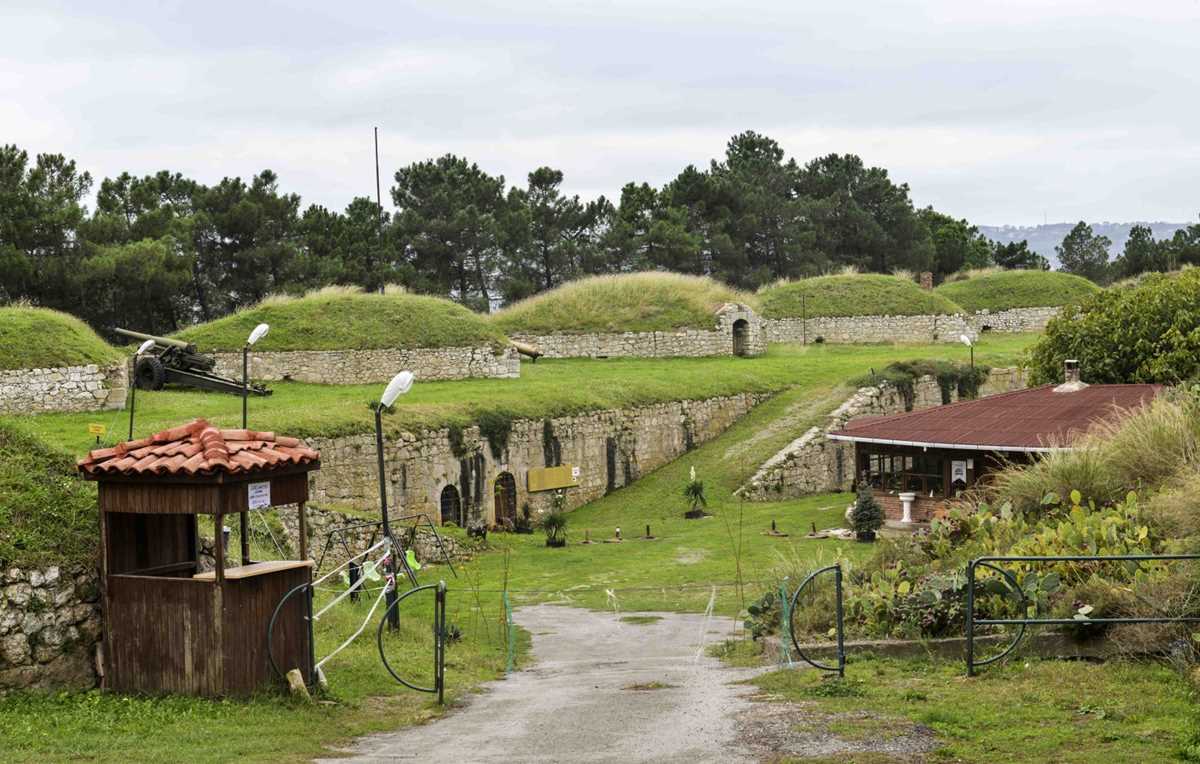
<point x="175" y="362"/>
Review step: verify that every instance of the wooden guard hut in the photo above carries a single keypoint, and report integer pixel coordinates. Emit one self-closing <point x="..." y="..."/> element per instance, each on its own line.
<point x="169" y="624"/>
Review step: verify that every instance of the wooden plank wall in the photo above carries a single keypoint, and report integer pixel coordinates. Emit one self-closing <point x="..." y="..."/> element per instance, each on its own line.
<point x="248" y="604"/>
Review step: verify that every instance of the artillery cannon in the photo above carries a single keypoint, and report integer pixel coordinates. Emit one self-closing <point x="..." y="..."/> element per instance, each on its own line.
<point x="177" y="362"/>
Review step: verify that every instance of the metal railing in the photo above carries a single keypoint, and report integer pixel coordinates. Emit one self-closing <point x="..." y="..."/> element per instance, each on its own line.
<point x="989" y="563"/>
<point x="790" y="610"/>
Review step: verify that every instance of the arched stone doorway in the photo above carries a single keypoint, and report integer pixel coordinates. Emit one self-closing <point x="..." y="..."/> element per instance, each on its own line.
<point x="505" y="491"/>
<point x="451" y="505"/>
<point x="741" y="337"/>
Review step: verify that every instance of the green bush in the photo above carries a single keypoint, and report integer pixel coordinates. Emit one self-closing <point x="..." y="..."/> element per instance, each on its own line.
<point x="867" y="515"/>
<point x="1149" y="332"/>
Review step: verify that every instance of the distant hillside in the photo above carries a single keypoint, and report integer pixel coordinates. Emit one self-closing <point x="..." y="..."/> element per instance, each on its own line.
<point x="1044" y="238"/>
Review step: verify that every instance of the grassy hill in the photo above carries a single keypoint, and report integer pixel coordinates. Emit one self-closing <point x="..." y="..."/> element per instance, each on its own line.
<point x="37" y="338"/>
<point x="634" y="302"/>
<point x="1001" y="290"/>
<point x="344" y="318"/>
<point x="864" y="294"/>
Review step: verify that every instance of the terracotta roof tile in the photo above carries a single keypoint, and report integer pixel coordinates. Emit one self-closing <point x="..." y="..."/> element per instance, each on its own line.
<point x="198" y="448"/>
<point x="1035" y="419"/>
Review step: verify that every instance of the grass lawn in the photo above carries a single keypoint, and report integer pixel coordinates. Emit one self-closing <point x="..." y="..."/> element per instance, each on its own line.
<point x="1001" y="290"/>
<point x="61" y="340"/>
<point x="632" y="302"/>
<point x="547" y="388"/>
<point x="864" y="294"/>
<point x="343" y="318"/>
<point x="1031" y="711"/>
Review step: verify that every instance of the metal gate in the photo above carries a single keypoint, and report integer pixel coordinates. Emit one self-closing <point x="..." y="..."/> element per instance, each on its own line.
<point x="790" y="612"/>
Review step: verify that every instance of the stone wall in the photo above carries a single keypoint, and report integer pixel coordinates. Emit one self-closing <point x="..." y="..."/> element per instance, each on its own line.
<point x="49" y="627"/>
<point x="814" y="464"/>
<point x="862" y="329"/>
<point x="610" y="448"/>
<point x="67" y="388"/>
<point x="686" y="342"/>
<point x="348" y="367"/>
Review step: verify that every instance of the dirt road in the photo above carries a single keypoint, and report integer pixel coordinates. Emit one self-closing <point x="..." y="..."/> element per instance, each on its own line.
<point x="599" y="689"/>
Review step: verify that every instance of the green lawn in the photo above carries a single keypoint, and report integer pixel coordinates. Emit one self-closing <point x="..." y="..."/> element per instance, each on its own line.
<point x="1032" y="711"/>
<point x="1002" y="290"/>
<point x="547" y="388"/>
<point x="61" y="340"/>
<point x="344" y="318"/>
<point x="863" y="294"/>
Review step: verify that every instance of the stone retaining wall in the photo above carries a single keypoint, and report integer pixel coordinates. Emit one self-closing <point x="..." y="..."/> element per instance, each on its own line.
<point x="610" y="448"/>
<point x="67" y="388"/>
<point x="348" y="367"/>
<point x="814" y="464"/>
<point x="863" y="329"/>
<point x="49" y="627"/>
<point x="686" y="342"/>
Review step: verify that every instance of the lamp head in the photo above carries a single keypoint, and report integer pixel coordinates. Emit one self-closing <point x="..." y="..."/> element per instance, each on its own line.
<point x="400" y="384"/>
<point x="145" y="346"/>
<point x="965" y="340"/>
<point x="259" y="332"/>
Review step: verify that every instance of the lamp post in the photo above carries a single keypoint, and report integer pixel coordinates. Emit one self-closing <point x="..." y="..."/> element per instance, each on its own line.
<point x="967" y="341"/>
<point x="259" y="332"/>
<point x="133" y="384"/>
<point x="400" y="384"/>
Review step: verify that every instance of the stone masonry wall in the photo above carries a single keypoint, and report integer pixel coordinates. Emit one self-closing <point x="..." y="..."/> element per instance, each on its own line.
<point x="611" y="449"/>
<point x="863" y="329"/>
<point x="347" y="367"/>
<point x="49" y="627"/>
<point x="68" y="388"/>
<point x="687" y="342"/>
<point x="814" y="464"/>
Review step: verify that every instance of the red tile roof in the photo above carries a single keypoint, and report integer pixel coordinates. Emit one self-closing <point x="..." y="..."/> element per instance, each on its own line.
<point x="1037" y="419"/>
<point x="199" y="448"/>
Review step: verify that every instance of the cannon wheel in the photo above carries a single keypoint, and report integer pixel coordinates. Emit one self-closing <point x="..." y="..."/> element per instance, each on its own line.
<point x="150" y="374"/>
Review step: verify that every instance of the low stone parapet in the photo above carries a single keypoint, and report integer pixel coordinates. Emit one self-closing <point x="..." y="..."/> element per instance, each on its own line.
<point x="347" y="367"/>
<point x="926" y="328"/>
<point x="66" y="388"/>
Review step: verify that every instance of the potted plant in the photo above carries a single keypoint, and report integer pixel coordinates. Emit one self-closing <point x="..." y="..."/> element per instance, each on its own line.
<point x="867" y="515"/>
<point x="693" y="491"/>
<point x="554" y="524"/>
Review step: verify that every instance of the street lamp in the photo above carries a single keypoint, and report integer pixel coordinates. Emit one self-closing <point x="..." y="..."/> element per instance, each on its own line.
<point x="400" y="384"/>
<point x="967" y="341"/>
<point x="259" y="332"/>
<point x="145" y="346"/>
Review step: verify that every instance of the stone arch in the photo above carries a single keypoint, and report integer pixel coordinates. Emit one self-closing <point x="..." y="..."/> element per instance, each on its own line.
<point x="450" y="503"/>
<point x="505" y="493"/>
<point x="741" y="337"/>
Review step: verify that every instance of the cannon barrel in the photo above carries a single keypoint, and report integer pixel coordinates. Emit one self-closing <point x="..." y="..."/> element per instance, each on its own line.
<point x="164" y="341"/>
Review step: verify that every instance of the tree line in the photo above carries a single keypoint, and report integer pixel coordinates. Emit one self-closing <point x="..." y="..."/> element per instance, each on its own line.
<point x="161" y="251"/>
<point x="1086" y="253"/>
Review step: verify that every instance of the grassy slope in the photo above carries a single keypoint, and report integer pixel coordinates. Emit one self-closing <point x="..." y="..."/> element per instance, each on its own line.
<point x="1016" y="289"/>
<point x="37" y="338"/>
<point x="46" y="513"/>
<point x="635" y="302"/>
<point x="1037" y="711"/>
<point x="343" y="319"/>
<point x="866" y="294"/>
<point x="546" y="388"/>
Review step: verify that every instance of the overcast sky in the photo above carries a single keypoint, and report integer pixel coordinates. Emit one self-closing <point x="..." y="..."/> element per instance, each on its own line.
<point x="998" y="112"/>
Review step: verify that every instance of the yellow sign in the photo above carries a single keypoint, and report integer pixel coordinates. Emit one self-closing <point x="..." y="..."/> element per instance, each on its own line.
<point x="96" y="429"/>
<point x="550" y="478"/>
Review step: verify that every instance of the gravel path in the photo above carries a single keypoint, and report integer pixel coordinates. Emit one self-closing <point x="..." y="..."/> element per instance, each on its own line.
<point x="599" y="690"/>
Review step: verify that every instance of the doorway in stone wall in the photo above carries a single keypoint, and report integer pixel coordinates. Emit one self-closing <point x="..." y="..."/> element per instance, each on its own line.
<point x="451" y="506"/>
<point x="741" y="337"/>
<point x="505" y="492"/>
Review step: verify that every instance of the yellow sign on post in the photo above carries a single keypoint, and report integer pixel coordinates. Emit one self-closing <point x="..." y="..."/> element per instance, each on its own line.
<point x="552" y="478"/>
<point x="96" y="429"/>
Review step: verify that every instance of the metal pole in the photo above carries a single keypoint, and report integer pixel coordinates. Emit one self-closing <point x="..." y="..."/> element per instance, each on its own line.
<point x="378" y="202"/>
<point x="245" y="381"/>
<point x="972" y="356"/>
<point x="132" y="394"/>
<point x="440" y="642"/>
<point x="803" y="320"/>
<point x="393" y="613"/>
<point x="971" y="618"/>
<point x="841" y="643"/>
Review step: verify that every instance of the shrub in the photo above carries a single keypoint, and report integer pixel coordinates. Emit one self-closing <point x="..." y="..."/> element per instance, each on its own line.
<point x="693" y="491"/>
<point x="554" y="524"/>
<point x="1149" y="332"/>
<point x="867" y="515"/>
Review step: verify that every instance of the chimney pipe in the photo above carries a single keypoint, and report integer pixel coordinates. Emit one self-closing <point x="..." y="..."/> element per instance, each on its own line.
<point x="1071" y="381"/>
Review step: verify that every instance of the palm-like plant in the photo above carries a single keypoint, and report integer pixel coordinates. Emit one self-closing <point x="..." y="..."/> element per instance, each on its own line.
<point x="554" y="524"/>
<point x="693" y="491"/>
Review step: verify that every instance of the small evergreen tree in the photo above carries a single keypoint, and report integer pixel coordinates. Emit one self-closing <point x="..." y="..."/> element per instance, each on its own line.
<point x="867" y="515"/>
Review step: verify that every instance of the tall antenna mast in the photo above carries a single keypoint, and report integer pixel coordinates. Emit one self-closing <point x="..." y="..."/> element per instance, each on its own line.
<point x="378" y="198"/>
